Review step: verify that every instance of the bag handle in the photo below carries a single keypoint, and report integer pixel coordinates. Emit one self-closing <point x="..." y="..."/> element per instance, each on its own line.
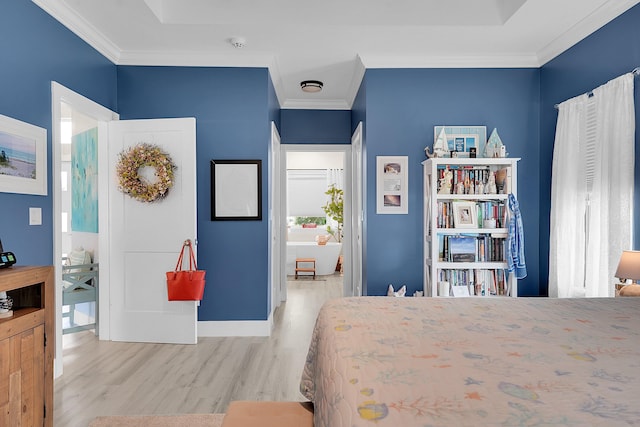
<point x="192" y="258"/>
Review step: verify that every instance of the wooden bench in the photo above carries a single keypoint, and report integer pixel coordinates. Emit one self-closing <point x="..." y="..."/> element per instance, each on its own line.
<point x="306" y="269"/>
<point x="268" y="414"/>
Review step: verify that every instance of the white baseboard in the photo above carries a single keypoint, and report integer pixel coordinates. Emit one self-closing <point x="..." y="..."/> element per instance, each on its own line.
<point x="235" y="328"/>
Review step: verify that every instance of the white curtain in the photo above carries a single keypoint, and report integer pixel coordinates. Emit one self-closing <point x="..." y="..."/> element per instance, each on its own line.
<point x="335" y="176"/>
<point x="592" y="190"/>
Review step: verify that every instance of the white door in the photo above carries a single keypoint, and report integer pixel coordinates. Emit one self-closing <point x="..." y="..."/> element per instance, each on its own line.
<point x="277" y="273"/>
<point x="357" y="213"/>
<point x="146" y="238"/>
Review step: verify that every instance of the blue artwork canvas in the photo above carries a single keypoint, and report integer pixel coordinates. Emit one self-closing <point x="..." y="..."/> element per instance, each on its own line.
<point x="84" y="181"/>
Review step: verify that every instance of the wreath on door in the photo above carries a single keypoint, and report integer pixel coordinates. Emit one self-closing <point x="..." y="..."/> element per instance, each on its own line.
<point x="132" y="179"/>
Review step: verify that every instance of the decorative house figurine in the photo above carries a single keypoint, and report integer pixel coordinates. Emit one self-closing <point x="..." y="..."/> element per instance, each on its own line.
<point x="440" y="146"/>
<point x="495" y="147"/>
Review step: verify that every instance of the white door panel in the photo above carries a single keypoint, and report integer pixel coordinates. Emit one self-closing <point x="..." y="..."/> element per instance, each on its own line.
<point x="357" y="214"/>
<point x="146" y="238"/>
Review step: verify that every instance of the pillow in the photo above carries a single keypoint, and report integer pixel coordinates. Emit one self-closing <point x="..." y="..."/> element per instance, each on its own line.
<point x="79" y="257"/>
<point x="630" y="291"/>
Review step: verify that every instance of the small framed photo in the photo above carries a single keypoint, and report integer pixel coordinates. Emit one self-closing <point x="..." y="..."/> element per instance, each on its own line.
<point x="465" y="215"/>
<point x="392" y="174"/>
<point x="23" y="157"/>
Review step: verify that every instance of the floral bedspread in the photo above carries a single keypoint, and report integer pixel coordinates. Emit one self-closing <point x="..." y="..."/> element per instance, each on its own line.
<point x="402" y="362"/>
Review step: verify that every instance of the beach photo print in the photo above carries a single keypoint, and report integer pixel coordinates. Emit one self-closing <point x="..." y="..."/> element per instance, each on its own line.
<point x="23" y="162"/>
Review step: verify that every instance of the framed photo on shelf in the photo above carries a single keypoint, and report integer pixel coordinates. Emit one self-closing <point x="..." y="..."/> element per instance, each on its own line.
<point x="236" y="190"/>
<point x="462" y="249"/>
<point x="465" y="215"/>
<point x="23" y="157"/>
<point x="392" y="184"/>
<point x="462" y="139"/>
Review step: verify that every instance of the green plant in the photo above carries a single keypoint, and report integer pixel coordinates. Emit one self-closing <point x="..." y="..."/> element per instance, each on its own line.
<point x="334" y="208"/>
<point x="310" y="220"/>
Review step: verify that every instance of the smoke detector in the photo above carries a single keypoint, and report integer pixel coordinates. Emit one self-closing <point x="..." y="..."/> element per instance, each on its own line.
<point x="238" y="42"/>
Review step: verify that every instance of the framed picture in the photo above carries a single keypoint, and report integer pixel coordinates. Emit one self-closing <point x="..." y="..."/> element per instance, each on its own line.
<point x="392" y="174"/>
<point x="461" y="139"/>
<point x="236" y="190"/>
<point x="23" y="157"/>
<point x="462" y="249"/>
<point x="464" y="215"/>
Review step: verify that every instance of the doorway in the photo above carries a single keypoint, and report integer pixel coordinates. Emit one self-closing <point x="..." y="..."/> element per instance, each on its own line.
<point x="308" y="172"/>
<point x="75" y="115"/>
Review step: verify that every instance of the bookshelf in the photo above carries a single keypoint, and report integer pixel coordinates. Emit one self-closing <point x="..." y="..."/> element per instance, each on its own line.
<point x="466" y="221"/>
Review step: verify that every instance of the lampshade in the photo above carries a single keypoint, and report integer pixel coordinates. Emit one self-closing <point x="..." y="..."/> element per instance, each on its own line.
<point x="629" y="266"/>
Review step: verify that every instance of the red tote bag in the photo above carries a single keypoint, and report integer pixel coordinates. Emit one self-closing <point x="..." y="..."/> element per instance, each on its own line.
<point x="186" y="285"/>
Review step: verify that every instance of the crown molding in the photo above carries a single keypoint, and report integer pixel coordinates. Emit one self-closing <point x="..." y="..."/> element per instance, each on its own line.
<point x="320" y="104"/>
<point x="446" y="61"/>
<point x="80" y="27"/>
<point x="596" y="20"/>
<point x="195" y="59"/>
<point x="356" y="81"/>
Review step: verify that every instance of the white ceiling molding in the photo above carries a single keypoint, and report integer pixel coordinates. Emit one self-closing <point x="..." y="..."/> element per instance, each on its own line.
<point x="584" y="28"/>
<point x="448" y="61"/>
<point x="80" y="27"/>
<point x="311" y="104"/>
<point x="334" y="48"/>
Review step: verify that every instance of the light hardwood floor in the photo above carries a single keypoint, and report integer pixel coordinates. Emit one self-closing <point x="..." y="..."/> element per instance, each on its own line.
<point x="111" y="378"/>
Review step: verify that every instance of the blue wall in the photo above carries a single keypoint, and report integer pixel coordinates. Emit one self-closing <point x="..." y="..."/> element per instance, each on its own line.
<point x="233" y="120"/>
<point x="402" y="108"/>
<point x="35" y="50"/>
<point x="316" y="127"/>
<point x="234" y="108"/>
<point x="606" y="54"/>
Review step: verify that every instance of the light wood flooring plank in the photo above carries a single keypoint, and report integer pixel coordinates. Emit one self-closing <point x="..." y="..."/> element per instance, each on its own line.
<point x="113" y="378"/>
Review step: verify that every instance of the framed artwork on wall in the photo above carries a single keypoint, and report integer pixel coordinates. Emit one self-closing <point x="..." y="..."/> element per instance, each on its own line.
<point x="236" y="190"/>
<point x="392" y="185"/>
<point x="23" y="157"/>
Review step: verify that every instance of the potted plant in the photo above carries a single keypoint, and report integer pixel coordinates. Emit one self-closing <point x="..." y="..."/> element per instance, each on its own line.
<point x="334" y="210"/>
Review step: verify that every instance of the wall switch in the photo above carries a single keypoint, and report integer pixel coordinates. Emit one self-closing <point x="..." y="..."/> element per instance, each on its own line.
<point x="35" y="216"/>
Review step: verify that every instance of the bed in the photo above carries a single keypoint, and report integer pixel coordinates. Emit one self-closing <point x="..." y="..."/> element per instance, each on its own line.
<point x="402" y="362"/>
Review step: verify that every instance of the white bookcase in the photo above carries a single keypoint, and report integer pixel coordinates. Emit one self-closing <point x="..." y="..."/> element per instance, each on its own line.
<point x="461" y="249"/>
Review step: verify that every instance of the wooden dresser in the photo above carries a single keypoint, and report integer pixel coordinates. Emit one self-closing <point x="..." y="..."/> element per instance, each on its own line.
<point x="26" y="347"/>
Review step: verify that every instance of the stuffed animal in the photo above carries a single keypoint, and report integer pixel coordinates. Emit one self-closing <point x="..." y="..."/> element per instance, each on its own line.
<point x="399" y="293"/>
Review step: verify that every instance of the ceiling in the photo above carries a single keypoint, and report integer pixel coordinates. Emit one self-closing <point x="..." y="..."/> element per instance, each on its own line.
<point x="333" y="41"/>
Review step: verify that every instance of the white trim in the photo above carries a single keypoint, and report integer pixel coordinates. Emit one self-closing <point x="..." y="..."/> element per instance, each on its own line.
<point x="195" y="58"/>
<point x="87" y="32"/>
<point x="598" y="18"/>
<point x="320" y="104"/>
<point x="235" y="328"/>
<point x="447" y="61"/>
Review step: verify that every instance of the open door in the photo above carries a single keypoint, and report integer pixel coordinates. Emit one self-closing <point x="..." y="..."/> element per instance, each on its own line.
<point x="145" y="238"/>
<point x="277" y="273"/>
<point x="357" y="215"/>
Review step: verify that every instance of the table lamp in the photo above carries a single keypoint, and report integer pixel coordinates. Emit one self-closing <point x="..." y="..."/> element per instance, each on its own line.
<point x="629" y="267"/>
